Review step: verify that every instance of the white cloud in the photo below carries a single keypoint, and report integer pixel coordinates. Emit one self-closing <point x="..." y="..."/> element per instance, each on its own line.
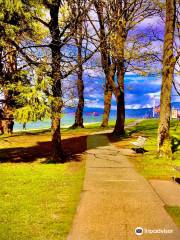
<point x="137" y="106"/>
<point x="96" y="72"/>
<point x="155" y="95"/>
<point x="96" y="95"/>
<point x="151" y="21"/>
<point x="130" y="73"/>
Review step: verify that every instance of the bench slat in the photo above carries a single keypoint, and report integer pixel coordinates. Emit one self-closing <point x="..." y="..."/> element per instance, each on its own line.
<point x="140" y="141"/>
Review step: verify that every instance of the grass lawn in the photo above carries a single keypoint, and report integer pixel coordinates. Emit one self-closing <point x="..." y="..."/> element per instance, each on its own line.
<point x="149" y="164"/>
<point x="38" y="201"/>
<point x="175" y="213"/>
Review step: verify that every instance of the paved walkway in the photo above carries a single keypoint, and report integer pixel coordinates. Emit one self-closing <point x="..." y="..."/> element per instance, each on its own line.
<point x="168" y="191"/>
<point x="116" y="199"/>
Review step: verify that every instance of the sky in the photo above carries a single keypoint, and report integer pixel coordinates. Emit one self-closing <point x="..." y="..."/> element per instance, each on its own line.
<point x="140" y="91"/>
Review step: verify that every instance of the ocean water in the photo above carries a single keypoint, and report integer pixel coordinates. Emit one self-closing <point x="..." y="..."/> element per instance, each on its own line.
<point x="90" y="115"/>
<point x="68" y="119"/>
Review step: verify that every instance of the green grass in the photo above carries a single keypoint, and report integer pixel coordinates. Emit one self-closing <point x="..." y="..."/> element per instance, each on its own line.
<point x="38" y="201"/>
<point x="150" y="164"/>
<point x="174" y="212"/>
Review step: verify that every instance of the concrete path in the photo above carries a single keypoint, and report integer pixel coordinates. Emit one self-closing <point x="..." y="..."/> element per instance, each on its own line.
<point x="116" y="199"/>
<point x="129" y="125"/>
<point x="168" y="191"/>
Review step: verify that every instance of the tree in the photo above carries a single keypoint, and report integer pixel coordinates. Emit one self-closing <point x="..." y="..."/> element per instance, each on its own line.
<point x="121" y="17"/>
<point x="56" y="74"/>
<point x="34" y="98"/>
<point x="119" y="35"/>
<point x="80" y="82"/>
<point x="59" y="40"/>
<point x="8" y="75"/>
<point x="14" y="25"/>
<point x="61" y="32"/>
<point x="79" y="36"/>
<point x="164" y="144"/>
<point x="85" y="50"/>
<point x="107" y="62"/>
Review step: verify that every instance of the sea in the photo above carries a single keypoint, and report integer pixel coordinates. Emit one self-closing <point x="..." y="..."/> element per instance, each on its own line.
<point x="91" y="115"/>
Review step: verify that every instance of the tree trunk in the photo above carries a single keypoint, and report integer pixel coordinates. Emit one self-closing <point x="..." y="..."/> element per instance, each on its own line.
<point x="164" y="143"/>
<point x="107" y="104"/>
<point x="80" y="107"/>
<point x="120" y="120"/>
<point x="106" y="62"/>
<point x="7" y="109"/>
<point x="80" y="82"/>
<point x="57" y="151"/>
<point x="119" y="55"/>
<point x="9" y="77"/>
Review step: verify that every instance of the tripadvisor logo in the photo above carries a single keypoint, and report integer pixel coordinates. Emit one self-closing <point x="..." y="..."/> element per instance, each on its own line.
<point x="139" y="231"/>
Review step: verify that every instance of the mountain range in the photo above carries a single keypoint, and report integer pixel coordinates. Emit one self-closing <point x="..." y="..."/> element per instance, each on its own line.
<point x="130" y="113"/>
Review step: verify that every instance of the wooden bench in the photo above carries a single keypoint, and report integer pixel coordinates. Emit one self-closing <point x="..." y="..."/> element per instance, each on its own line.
<point x="140" y="142"/>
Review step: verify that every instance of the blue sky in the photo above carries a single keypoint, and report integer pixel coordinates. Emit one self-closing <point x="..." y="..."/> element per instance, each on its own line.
<point x="140" y="91"/>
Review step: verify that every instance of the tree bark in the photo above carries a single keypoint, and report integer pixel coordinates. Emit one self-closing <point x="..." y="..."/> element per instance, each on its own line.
<point x="8" y="78"/>
<point x="57" y="103"/>
<point x="80" y="82"/>
<point x="80" y="107"/>
<point x="164" y="143"/>
<point x="120" y="101"/>
<point x="106" y="64"/>
<point x="8" y="111"/>
<point x="107" y="104"/>
<point x="120" y="38"/>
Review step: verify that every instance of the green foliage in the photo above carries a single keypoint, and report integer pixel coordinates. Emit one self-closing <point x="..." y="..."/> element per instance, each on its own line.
<point x="64" y="13"/>
<point x="34" y="101"/>
<point x="11" y="5"/>
<point x="17" y="20"/>
<point x="26" y="91"/>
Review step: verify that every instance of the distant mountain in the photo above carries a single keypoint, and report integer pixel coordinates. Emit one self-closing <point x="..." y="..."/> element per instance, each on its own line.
<point x="139" y="113"/>
<point x="130" y="113"/>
